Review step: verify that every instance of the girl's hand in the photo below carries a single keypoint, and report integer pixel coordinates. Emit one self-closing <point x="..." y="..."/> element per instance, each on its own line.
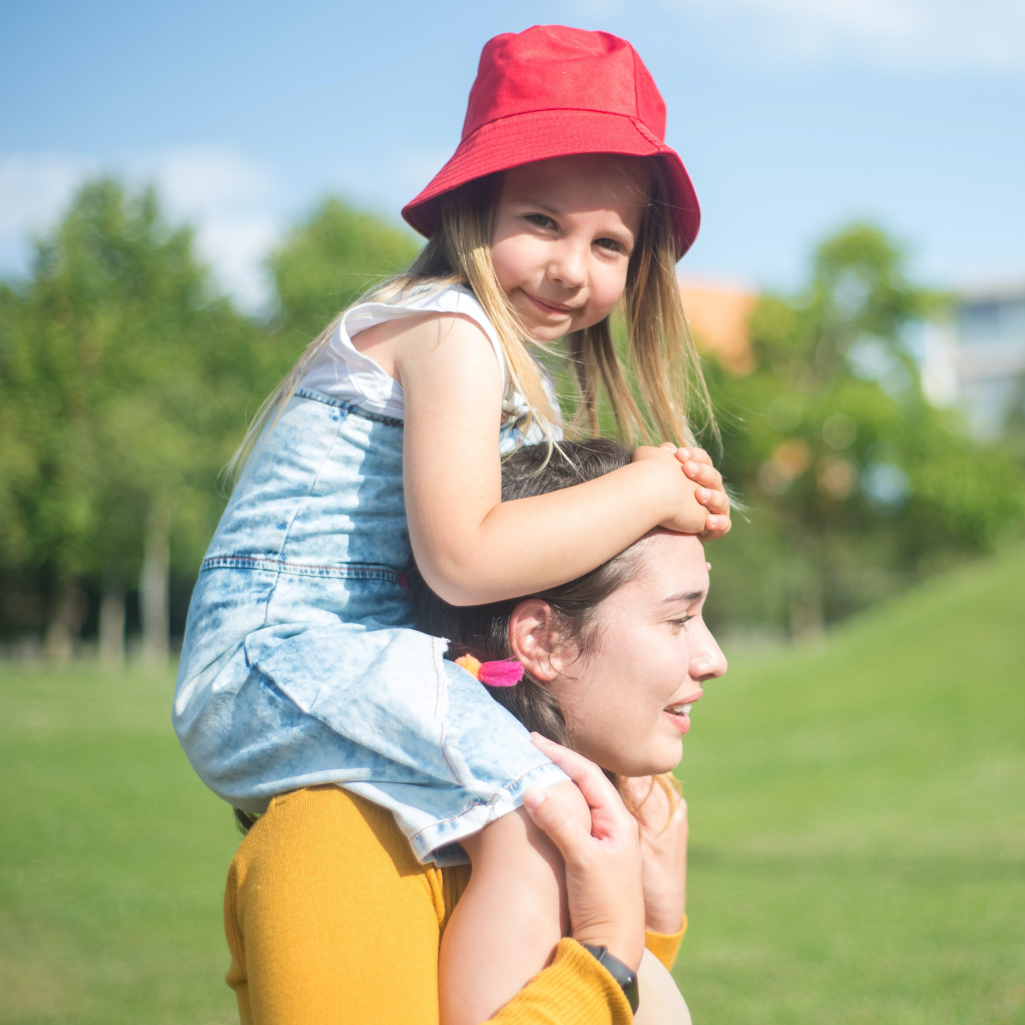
<point x="663" y="824"/>
<point x="697" y="465"/>
<point x="603" y="863"/>
<point x="685" y="514"/>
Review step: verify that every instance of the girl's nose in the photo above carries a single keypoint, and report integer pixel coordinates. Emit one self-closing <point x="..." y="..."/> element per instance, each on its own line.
<point x="568" y="267"/>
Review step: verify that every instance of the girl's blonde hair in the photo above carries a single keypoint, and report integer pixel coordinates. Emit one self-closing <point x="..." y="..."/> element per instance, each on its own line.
<point x="669" y="381"/>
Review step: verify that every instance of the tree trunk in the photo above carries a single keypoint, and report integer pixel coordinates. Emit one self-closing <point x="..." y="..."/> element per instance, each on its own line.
<point x="153" y="589"/>
<point x="112" y="624"/>
<point x="66" y="617"/>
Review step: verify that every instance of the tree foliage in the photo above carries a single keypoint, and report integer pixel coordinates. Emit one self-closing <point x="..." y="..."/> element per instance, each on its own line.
<point x="856" y="484"/>
<point x="329" y="260"/>
<point x="124" y="380"/>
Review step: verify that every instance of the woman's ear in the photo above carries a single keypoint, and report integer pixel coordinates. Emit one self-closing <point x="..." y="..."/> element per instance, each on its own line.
<point x="532" y="637"/>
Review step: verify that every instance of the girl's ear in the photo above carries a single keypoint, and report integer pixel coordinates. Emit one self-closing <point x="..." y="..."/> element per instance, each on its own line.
<point x="533" y="639"/>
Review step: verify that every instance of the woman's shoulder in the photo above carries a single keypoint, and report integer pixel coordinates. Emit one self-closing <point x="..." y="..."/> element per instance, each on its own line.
<point x="325" y="819"/>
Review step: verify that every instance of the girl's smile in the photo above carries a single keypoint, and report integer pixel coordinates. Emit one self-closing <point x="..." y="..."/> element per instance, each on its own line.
<point x="564" y="233"/>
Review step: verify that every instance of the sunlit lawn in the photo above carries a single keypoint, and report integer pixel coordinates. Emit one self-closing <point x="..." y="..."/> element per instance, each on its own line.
<point x="858" y="820"/>
<point x="858" y="833"/>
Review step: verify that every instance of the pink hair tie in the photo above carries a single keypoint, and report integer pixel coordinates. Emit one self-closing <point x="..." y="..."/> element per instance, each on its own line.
<point x="506" y="673"/>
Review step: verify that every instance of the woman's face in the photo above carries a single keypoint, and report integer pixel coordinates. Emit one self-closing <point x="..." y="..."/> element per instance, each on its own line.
<point x="627" y="700"/>
<point x="564" y="232"/>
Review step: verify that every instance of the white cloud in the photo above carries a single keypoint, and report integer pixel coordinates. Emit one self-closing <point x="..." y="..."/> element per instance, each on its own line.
<point x="915" y="34"/>
<point x="230" y="200"/>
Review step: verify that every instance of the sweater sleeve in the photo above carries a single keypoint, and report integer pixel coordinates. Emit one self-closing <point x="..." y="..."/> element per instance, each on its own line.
<point x="573" y="990"/>
<point x="329" y="918"/>
<point x="664" y="947"/>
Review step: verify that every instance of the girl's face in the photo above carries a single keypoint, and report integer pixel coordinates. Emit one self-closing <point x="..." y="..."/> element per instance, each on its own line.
<point x="626" y="701"/>
<point x="564" y="232"/>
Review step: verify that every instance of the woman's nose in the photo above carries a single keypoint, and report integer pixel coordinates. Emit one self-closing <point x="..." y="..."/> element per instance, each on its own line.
<point x="707" y="660"/>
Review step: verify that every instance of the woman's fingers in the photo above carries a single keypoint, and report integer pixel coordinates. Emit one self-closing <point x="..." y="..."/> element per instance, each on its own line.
<point x="603" y="866"/>
<point x="609" y="816"/>
<point x="552" y="813"/>
<point x="593" y="783"/>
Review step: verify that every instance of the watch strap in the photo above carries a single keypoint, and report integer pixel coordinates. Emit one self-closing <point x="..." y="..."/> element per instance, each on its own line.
<point x="622" y="973"/>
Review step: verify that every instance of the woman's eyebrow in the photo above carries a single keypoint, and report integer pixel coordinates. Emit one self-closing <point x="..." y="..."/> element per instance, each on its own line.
<point x="683" y="596"/>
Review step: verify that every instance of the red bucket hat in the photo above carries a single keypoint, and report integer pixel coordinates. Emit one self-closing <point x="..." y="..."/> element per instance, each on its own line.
<point x="553" y="91"/>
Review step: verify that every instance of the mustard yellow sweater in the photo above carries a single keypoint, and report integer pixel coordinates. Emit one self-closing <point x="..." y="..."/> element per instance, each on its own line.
<point x="331" y="919"/>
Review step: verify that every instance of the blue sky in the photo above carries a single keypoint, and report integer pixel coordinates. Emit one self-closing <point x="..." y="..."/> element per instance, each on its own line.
<point x="793" y="117"/>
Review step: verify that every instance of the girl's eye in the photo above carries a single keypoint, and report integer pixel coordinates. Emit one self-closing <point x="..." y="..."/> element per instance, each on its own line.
<point x="610" y="245"/>
<point x="541" y="220"/>
<point x="681" y="623"/>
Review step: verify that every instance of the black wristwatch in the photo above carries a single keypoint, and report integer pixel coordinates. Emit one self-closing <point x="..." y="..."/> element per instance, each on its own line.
<point x="623" y="974"/>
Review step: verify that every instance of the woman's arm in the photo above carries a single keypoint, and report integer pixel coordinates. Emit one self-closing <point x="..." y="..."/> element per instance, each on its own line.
<point x="470" y="546"/>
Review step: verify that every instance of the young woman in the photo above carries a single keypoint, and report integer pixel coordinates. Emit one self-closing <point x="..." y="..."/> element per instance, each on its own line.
<point x="327" y="910"/>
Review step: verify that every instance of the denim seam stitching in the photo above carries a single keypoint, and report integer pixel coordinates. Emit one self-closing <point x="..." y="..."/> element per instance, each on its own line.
<point x="295" y="515"/>
<point x="477" y="804"/>
<point x="329" y="400"/>
<point x="282" y="566"/>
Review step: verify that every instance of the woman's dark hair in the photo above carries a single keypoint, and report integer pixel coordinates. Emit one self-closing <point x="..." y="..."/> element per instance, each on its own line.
<point x="483" y="630"/>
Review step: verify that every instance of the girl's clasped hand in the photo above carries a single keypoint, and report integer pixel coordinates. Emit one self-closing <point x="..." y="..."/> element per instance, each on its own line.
<point x="302" y="663"/>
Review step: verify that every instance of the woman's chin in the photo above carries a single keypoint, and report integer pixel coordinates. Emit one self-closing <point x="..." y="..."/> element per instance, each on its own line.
<point x="654" y="763"/>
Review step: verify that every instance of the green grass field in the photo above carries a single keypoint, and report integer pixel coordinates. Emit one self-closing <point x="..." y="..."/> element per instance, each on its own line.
<point x="858" y="833"/>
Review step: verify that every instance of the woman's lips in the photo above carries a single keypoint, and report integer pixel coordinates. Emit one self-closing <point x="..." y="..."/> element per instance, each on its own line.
<point x="681" y="722"/>
<point x="678" y="713"/>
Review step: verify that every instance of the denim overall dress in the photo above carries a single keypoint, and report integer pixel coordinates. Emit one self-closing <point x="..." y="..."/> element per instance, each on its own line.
<point x="300" y="665"/>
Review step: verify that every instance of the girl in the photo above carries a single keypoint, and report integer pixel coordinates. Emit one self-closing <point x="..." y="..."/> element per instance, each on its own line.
<point x="300" y="664"/>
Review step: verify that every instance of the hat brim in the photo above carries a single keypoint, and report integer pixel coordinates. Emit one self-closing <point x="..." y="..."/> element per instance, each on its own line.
<point x="541" y="135"/>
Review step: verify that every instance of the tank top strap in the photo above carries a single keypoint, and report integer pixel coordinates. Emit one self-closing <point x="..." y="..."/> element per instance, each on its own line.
<point x="456" y="299"/>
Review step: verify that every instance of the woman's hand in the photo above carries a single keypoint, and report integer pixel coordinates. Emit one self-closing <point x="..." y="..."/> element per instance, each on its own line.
<point x="603" y="862"/>
<point x="662" y="817"/>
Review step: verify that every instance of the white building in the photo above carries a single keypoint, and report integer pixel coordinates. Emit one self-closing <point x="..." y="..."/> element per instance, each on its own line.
<point x="977" y="360"/>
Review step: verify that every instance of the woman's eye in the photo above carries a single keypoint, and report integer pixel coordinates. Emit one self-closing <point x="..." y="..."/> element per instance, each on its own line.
<point x="681" y="623"/>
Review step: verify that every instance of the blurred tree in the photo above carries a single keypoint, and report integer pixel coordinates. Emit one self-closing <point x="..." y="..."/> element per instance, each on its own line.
<point x="856" y="484"/>
<point x="329" y="260"/>
<point x="124" y="383"/>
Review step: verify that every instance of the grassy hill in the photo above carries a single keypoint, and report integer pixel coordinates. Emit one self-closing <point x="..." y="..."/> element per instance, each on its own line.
<point x="858" y="819"/>
<point x="858" y="833"/>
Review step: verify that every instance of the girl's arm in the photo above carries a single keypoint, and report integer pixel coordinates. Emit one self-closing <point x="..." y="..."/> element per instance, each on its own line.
<point x="470" y="546"/>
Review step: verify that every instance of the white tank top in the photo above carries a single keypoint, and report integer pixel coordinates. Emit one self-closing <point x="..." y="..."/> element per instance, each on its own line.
<point x="343" y="372"/>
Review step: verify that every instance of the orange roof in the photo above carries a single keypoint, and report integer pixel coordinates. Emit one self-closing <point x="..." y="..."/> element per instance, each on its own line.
<point x="718" y="317"/>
